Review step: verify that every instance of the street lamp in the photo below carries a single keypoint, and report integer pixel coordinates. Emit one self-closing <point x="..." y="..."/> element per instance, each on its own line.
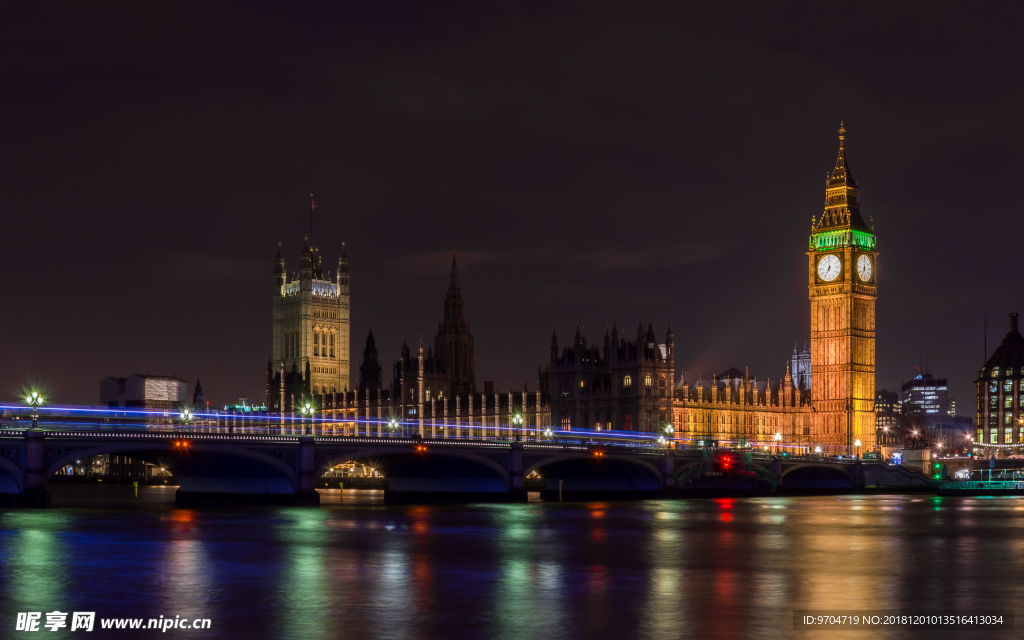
<point x="778" y="441"/>
<point x="307" y="410"/>
<point x="856" y="443"/>
<point x="34" y="400"/>
<point x="518" y="421"/>
<point x="817" y="450"/>
<point x="549" y="434"/>
<point x="392" y="425"/>
<point x="186" y="417"/>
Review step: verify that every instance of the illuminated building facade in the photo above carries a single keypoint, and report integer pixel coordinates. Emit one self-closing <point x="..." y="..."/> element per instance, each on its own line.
<point x="826" y="397"/>
<point x="1001" y="392"/>
<point x="310" y="349"/>
<point x="735" y="409"/>
<point x="625" y="385"/>
<point x="842" y="286"/>
<point x="927" y="394"/>
<point x="153" y="392"/>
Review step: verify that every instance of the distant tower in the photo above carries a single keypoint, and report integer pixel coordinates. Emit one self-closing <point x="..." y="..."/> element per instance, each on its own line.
<point x="370" y="369"/>
<point x="198" y="400"/>
<point x="842" y="287"/>
<point x="311" y="329"/>
<point x="801" y="368"/>
<point x="454" y="342"/>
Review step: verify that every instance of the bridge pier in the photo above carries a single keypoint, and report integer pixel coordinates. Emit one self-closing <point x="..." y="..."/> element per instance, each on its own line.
<point x="307" y="494"/>
<point x="34" y="494"/>
<point x="858" y="475"/>
<point x="516" y="485"/>
<point x="668" y="473"/>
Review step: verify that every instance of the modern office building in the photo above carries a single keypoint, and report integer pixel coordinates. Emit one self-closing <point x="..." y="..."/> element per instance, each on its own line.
<point x="1001" y="393"/>
<point x="927" y="394"/>
<point x="153" y="392"/>
<point x="887" y="408"/>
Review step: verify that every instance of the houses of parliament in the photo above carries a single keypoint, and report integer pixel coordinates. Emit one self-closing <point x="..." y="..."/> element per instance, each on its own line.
<point x="626" y="381"/>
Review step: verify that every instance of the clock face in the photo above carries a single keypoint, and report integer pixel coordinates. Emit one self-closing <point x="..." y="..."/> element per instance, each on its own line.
<point x="864" y="268"/>
<point x="829" y="268"/>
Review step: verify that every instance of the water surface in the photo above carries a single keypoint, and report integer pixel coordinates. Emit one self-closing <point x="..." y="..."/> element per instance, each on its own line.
<point x="356" y="568"/>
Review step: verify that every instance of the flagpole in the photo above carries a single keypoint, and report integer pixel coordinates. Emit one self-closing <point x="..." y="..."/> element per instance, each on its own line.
<point x="311" y="205"/>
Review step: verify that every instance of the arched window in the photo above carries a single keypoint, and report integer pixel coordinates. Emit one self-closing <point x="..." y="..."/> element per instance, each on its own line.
<point x="316" y="343"/>
<point x="627" y="422"/>
<point x="627" y="380"/>
<point x="332" y="344"/>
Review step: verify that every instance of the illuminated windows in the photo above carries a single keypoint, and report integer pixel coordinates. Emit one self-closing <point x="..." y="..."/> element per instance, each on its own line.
<point x="1007" y="418"/>
<point x="993" y="436"/>
<point x="1009" y="436"/>
<point x="627" y="381"/>
<point x="316" y="343"/>
<point x="332" y="344"/>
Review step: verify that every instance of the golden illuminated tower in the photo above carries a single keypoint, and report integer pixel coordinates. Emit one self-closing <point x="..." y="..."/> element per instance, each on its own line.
<point x="843" y="288"/>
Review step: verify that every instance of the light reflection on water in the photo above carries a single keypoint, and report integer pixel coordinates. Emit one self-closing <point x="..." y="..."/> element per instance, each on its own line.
<point x="356" y="568"/>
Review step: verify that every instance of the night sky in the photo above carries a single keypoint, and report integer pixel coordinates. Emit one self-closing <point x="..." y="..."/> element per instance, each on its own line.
<point x="589" y="162"/>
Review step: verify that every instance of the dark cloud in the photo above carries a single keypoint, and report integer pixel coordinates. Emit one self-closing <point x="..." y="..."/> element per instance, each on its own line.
<point x="593" y="162"/>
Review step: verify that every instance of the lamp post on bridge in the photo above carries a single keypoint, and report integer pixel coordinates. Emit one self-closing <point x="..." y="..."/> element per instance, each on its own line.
<point x="778" y="442"/>
<point x="34" y="400"/>
<point x="186" y="418"/>
<point x="392" y="425"/>
<point x="518" y="421"/>
<point x="857" y="444"/>
<point x="307" y="411"/>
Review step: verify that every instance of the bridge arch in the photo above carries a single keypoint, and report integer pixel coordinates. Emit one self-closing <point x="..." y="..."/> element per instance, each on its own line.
<point x="267" y="465"/>
<point x="586" y="455"/>
<point x="583" y="475"/>
<point x="445" y="468"/>
<point x="816" y="475"/>
<point x="16" y="475"/>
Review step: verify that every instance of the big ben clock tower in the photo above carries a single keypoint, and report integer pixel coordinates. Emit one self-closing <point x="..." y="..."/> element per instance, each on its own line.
<point x="842" y="285"/>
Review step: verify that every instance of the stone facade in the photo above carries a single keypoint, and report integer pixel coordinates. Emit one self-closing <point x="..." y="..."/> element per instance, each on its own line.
<point x="842" y="286"/>
<point x="625" y="385"/>
<point x="310" y="349"/>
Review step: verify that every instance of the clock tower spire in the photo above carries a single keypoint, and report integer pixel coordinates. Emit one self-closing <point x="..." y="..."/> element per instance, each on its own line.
<point x="842" y="287"/>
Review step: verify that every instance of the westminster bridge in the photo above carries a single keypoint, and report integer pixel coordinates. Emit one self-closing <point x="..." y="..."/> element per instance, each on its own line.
<point x="285" y="468"/>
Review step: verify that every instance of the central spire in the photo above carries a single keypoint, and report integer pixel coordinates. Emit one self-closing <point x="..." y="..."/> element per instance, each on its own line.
<point x="841" y="213"/>
<point x="453" y="287"/>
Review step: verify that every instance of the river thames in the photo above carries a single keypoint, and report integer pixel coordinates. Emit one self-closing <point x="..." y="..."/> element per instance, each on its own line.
<point x="356" y="568"/>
